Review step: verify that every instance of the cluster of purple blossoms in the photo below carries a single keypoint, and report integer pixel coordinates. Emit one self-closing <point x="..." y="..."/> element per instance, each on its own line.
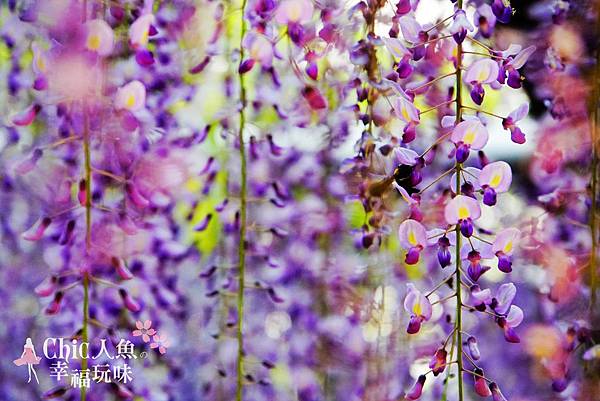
<point x="304" y="200"/>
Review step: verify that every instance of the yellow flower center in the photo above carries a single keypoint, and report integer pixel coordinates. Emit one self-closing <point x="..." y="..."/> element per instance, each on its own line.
<point x="463" y="212"/>
<point x="495" y="181"/>
<point x="508" y="247"/>
<point x="93" y="42"/>
<point x="469" y="137"/>
<point x="412" y="238"/>
<point x="145" y="36"/>
<point x="417" y="309"/>
<point x="41" y="64"/>
<point x="130" y="101"/>
<point x="481" y="76"/>
<point x="405" y="114"/>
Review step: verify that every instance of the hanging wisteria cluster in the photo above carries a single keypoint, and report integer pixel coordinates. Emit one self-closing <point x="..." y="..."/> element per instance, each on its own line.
<point x="300" y="200"/>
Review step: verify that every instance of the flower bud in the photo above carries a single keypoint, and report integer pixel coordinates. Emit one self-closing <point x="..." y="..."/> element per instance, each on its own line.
<point x="473" y="348"/>
<point x="416" y="391"/>
<point x="129" y="302"/>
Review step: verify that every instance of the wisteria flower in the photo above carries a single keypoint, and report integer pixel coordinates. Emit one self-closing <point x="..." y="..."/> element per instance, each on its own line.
<point x="503" y="11"/>
<point x="504" y="297"/>
<point x="139" y="31"/>
<point x="508" y="324"/>
<point x="467" y="135"/>
<point x="259" y="49"/>
<point x="510" y="123"/>
<point x="408" y="113"/>
<point x="496" y="393"/>
<point x="419" y="308"/>
<point x="417" y="389"/>
<point x="99" y="37"/>
<point x="295" y="14"/>
<point x="39" y="64"/>
<point x="485" y="20"/>
<point x="161" y="342"/>
<point x="411" y="29"/>
<point x="513" y="65"/>
<point x="460" y="26"/>
<point x="294" y="11"/>
<point x="495" y="178"/>
<point x="144" y="329"/>
<point x="475" y="269"/>
<point x="396" y="47"/>
<point x="481" y="72"/>
<point x="27" y="116"/>
<point x="462" y="210"/>
<point x="131" y="97"/>
<point x="503" y="247"/>
<point x="481" y="297"/>
<point x="413" y="237"/>
<point x="471" y="181"/>
<point x="480" y="383"/>
<point x="438" y="361"/>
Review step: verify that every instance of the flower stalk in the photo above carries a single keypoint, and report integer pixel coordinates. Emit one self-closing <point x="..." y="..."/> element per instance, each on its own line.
<point x="88" y="224"/>
<point x="243" y="212"/>
<point x="458" y="167"/>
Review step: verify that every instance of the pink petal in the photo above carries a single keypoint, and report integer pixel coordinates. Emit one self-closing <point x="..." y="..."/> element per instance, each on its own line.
<point x="46" y="287"/>
<point x="515" y="316"/>
<point x="37" y="230"/>
<point x="412" y="233"/>
<point x="519" y="113"/>
<point x="406" y="111"/>
<point x="497" y="175"/>
<point x="100" y="37"/>
<point x="482" y="71"/>
<point x="410" y="29"/>
<point x="146" y="338"/>
<point x="505" y="241"/>
<point x="395" y="47"/>
<point x="521" y="58"/>
<point x="139" y="31"/>
<point x="27" y="116"/>
<point x="461" y="207"/>
<point x="472" y="132"/>
<point x="131" y="96"/>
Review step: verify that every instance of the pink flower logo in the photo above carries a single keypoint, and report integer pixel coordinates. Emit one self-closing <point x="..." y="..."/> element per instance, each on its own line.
<point x="144" y="329"/>
<point x="161" y="342"/>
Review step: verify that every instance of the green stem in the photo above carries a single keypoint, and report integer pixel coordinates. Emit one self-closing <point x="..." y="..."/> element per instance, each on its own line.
<point x="87" y="164"/>
<point x="88" y="237"/>
<point x="243" y="201"/>
<point x="458" y="322"/>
